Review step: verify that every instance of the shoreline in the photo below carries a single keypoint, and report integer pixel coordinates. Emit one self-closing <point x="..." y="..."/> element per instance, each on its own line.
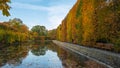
<point x="110" y="59"/>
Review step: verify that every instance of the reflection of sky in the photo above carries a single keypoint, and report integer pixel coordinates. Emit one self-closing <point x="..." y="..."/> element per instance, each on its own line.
<point x="49" y="60"/>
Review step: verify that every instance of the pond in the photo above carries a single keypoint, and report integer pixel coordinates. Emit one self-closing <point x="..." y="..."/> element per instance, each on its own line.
<point x="43" y="55"/>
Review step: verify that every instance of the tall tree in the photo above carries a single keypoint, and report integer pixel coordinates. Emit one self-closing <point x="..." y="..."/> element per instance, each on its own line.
<point x="41" y="30"/>
<point x="16" y="23"/>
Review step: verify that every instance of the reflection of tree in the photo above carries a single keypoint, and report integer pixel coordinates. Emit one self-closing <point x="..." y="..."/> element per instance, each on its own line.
<point x="39" y="50"/>
<point x="51" y="46"/>
<point x="15" y="62"/>
<point x="13" y="54"/>
<point x="93" y="64"/>
<point x="71" y="60"/>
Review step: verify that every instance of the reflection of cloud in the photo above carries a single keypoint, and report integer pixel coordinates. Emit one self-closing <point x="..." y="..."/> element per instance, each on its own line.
<point x="55" y="13"/>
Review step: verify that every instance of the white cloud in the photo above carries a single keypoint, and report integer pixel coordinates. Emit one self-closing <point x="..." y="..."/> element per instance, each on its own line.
<point x="55" y="13"/>
<point x="28" y="6"/>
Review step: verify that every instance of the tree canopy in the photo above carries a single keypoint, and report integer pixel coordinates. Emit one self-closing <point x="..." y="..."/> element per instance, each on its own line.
<point x="41" y="30"/>
<point x="4" y="7"/>
<point x="90" y="22"/>
<point x="11" y="32"/>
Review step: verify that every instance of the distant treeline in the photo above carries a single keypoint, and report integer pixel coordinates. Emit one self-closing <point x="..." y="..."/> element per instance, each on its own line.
<point x="16" y="31"/>
<point x="90" y="22"/>
<point x="13" y="31"/>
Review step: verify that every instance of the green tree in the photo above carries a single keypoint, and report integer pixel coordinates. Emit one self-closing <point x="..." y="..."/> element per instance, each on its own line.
<point x="18" y="24"/>
<point x="16" y="21"/>
<point x="41" y="30"/>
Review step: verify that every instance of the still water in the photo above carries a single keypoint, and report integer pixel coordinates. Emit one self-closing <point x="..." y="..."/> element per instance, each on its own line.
<point x="42" y="55"/>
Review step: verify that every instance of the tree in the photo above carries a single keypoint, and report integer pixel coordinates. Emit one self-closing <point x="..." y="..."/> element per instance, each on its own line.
<point x="16" y="23"/>
<point x="41" y="30"/>
<point x="4" y="7"/>
<point x="13" y="31"/>
<point x="90" y="22"/>
<point x="52" y="34"/>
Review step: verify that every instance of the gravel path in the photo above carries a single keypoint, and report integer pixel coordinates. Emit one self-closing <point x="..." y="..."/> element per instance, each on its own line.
<point x="112" y="60"/>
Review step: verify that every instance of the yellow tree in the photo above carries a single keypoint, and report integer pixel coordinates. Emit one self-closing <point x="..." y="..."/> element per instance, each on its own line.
<point x="4" y="7"/>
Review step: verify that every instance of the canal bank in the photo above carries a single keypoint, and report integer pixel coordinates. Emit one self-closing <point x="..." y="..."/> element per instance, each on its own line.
<point x="110" y="59"/>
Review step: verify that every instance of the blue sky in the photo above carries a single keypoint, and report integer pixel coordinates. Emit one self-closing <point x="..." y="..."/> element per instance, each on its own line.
<point x="48" y="13"/>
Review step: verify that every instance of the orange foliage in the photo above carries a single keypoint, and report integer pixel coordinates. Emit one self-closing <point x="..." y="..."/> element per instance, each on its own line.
<point x="90" y="22"/>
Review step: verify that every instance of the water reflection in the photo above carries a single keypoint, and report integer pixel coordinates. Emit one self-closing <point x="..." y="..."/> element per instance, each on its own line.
<point x="42" y="55"/>
<point x="13" y="55"/>
<point x="39" y="50"/>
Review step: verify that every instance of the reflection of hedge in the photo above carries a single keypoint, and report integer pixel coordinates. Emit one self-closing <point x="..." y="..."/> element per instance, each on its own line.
<point x="91" y="21"/>
<point x="10" y="53"/>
